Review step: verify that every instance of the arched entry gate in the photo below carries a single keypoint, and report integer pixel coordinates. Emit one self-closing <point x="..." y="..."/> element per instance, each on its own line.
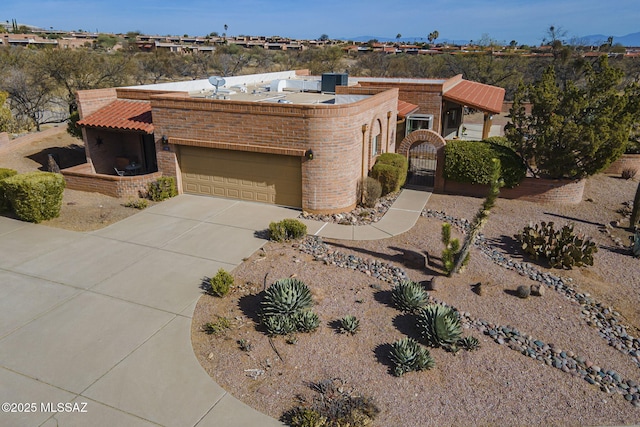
<point x="423" y="163"/>
<point x="424" y="150"/>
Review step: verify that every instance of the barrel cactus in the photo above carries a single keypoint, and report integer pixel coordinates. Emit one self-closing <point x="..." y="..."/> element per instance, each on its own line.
<point x="286" y="297"/>
<point x="439" y="325"/>
<point x="409" y="296"/>
<point x="407" y="355"/>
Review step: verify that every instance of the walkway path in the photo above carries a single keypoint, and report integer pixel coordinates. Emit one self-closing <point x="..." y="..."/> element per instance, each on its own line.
<point x="104" y="318"/>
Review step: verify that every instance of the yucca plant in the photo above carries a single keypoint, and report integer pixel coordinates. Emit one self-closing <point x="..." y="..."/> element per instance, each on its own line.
<point x="409" y="296"/>
<point x="279" y="324"/>
<point x="349" y="324"/>
<point x="439" y="325"/>
<point x="469" y="343"/>
<point x="286" y="297"/>
<point x="306" y="321"/>
<point x="407" y="355"/>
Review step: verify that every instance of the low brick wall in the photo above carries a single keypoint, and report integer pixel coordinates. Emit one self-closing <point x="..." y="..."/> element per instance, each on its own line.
<point x="82" y="178"/>
<point x="626" y="161"/>
<point x="530" y="189"/>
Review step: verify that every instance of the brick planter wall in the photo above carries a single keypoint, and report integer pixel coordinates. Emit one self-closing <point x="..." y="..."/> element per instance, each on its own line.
<point x="530" y="189"/>
<point x="626" y="161"/>
<point x="83" y="179"/>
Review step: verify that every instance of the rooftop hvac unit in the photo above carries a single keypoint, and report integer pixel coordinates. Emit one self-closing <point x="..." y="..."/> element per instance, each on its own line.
<point x="331" y="80"/>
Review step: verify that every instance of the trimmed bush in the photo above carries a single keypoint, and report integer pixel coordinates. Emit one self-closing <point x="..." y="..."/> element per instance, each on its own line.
<point x="397" y="160"/>
<point x="4" y="202"/>
<point x="287" y="229"/>
<point x="388" y="176"/>
<point x="470" y="161"/>
<point x="163" y="188"/>
<point x="35" y="196"/>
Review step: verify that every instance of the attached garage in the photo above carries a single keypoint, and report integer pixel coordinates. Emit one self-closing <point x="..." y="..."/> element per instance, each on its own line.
<point x="258" y="177"/>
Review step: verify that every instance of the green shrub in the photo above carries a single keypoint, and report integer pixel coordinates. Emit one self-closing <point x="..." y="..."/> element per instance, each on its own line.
<point x="470" y="162"/>
<point x="4" y="202"/>
<point x="562" y="248"/>
<point x="397" y="160"/>
<point x="163" y="188"/>
<point x="220" y="283"/>
<point x="214" y="328"/>
<point x="369" y="192"/>
<point x="287" y="229"/>
<point x="388" y="176"/>
<point x="136" y="204"/>
<point x="35" y="196"/>
<point x="407" y="355"/>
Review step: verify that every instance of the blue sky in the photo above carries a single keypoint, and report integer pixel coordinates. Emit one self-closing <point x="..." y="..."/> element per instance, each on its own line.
<point x="525" y="21"/>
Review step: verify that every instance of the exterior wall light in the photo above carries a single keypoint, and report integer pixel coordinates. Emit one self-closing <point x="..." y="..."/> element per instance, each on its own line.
<point x="309" y="154"/>
<point x="164" y="140"/>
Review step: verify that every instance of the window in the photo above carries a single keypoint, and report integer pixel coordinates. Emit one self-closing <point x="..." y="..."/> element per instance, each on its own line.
<point x="419" y="121"/>
<point x="375" y="146"/>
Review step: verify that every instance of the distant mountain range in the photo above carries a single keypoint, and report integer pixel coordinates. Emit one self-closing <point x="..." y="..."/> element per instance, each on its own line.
<point x="632" y="39"/>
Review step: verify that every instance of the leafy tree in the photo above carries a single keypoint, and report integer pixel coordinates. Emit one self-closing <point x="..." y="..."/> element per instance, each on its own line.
<point x="6" y="118"/>
<point x="324" y="38"/>
<point x="635" y="212"/>
<point x="577" y="131"/>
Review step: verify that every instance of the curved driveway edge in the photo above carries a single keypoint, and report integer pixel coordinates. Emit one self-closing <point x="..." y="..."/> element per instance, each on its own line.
<point x="100" y="322"/>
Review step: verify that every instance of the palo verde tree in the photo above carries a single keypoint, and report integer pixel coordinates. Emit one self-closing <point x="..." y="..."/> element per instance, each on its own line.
<point x="577" y="131"/>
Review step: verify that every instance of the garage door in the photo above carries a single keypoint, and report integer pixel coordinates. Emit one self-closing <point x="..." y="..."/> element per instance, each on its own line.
<point x="258" y="177"/>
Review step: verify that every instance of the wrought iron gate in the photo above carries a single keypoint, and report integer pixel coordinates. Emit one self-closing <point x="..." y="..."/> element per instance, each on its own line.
<point x="422" y="165"/>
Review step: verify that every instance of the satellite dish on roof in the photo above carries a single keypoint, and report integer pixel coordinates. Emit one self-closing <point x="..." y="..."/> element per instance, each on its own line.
<point x="217" y="81"/>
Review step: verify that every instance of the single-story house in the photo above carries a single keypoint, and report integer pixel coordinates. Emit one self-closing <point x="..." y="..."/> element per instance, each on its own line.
<point x="286" y="138"/>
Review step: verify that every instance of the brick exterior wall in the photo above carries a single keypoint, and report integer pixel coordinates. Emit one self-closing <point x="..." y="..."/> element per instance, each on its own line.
<point x="114" y="144"/>
<point x="334" y="133"/>
<point x="82" y="178"/>
<point x="530" y="189"/>
<point x="626" y="161"/>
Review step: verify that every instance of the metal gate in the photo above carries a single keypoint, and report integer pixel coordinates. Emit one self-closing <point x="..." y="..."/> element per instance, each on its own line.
<point x="422" y="165"/>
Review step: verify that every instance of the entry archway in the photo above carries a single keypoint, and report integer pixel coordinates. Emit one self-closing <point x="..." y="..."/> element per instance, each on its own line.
<point x="424" y="149"/>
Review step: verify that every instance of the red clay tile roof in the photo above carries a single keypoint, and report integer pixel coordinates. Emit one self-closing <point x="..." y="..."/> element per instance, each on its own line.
<point x="476" y="95"/>
<point x="122" y="115"/>
<point x="405" y="108"/>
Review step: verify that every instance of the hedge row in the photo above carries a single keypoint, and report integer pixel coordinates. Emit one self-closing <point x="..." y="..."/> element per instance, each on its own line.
<point x="470" y="161"/>
<point x="5" y="205"/>
<point x="34" y="196"/>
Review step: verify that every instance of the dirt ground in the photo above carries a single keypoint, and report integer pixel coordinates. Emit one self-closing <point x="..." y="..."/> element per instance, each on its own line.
<point x="492" y="386"/>
<point x="81" y="211"/>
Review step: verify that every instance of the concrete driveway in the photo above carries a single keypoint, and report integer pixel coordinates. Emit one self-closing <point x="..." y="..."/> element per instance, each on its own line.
<point x="102" y="320"/>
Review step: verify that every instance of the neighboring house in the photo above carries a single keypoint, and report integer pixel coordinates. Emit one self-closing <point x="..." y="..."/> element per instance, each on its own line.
<point x="285" y="138"/>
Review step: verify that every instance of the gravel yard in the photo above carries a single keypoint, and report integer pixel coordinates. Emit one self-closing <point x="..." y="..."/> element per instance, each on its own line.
<point x="538" y="357"/>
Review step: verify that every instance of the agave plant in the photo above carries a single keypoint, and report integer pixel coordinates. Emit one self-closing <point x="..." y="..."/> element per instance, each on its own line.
<point x="409" y="296"/>
<point x="279" y="324"/>
<point x="349" y="324"/>
<point x="469" y="343"/>
<point x="306" y="321"/>
<point x="286" y="297"/>
<point x="407" y="355"/>
<point x="439" y="325"/>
